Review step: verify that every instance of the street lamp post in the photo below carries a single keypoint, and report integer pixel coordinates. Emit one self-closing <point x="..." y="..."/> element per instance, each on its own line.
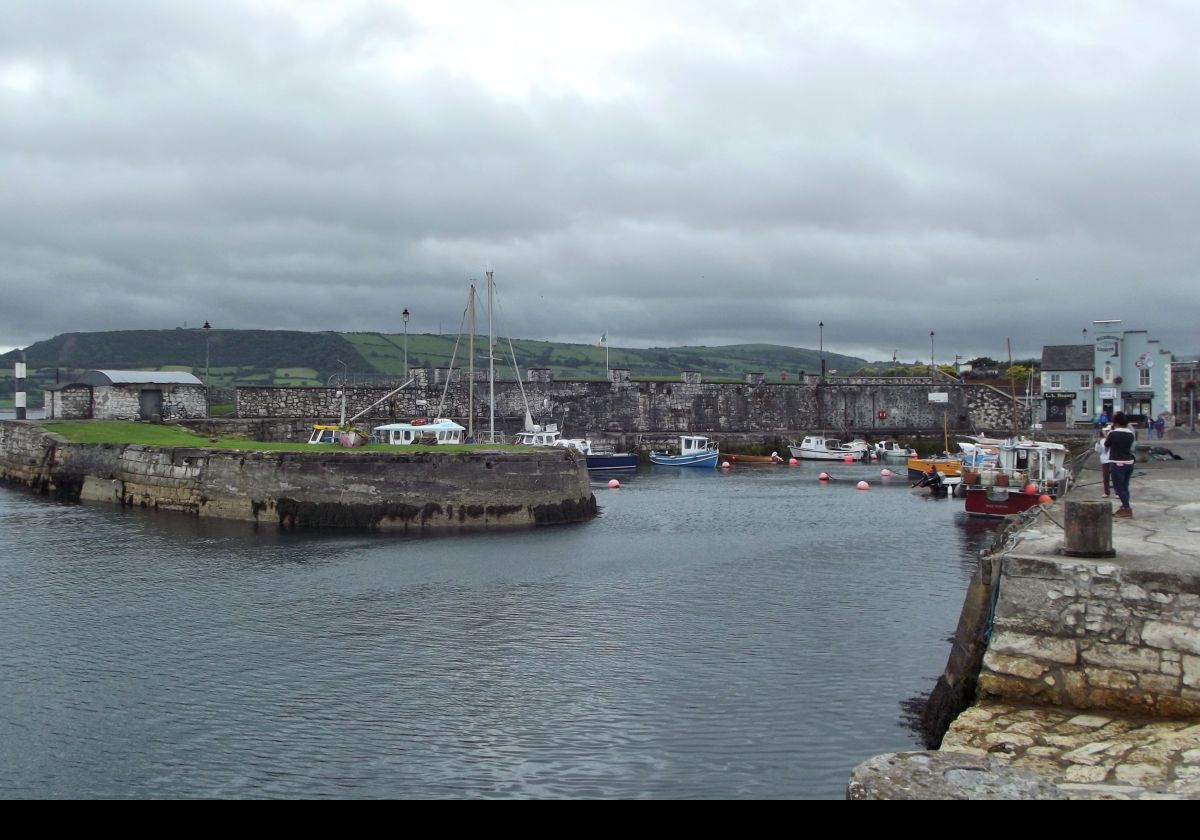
<point x="931" y="355"/>
<point x="207" y="328"/>
<point x="345" y="379"/>
<point x="404" y="318"/>
<point x="821" y="346"/>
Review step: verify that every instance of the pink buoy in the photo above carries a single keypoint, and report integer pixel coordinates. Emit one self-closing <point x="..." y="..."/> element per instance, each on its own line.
<point x="613" y="484"/>
<point x="724" y="465"/>
<point x="792" y="462"/>
<point x="849" y="459"/>
<point x="862" y="485"/>
<point x="885" y="472"/>
<point x="1031" y="489"/>
<point x="823" y="477"/>
<point x="1045" y="500"/>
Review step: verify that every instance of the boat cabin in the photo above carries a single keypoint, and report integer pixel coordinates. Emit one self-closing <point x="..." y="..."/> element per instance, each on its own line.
<point x="440" y="430"/>
<point x="695" y="445"/>
<point x="1019" y="463"/>
<point x="324" y="434"/>
<point x="538" y="436"/>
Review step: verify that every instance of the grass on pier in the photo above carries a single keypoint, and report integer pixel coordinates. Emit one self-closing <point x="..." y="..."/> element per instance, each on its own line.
<point x="153" y="434"/>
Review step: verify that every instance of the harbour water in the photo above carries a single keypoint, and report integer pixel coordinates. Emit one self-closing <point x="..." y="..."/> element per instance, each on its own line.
<point x="749" y="634"/>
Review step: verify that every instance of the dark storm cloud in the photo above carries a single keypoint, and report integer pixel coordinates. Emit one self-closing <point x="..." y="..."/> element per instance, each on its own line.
<point x="995" y="173"/>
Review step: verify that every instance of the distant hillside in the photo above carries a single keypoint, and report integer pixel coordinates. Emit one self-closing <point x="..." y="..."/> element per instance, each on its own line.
<point x="584" y="361"/>
<point x="286" y="357"/>
<point x="154" y="349"/>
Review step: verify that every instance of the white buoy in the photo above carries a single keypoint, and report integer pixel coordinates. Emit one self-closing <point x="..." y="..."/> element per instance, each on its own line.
<point x="885" y="472"/>
<point x="724" y="465"/>
<point x="613" y="484"/>
<point x="862" y="485"/>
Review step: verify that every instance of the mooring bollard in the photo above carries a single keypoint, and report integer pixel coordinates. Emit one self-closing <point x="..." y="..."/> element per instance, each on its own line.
<point x="1089" y="529"/>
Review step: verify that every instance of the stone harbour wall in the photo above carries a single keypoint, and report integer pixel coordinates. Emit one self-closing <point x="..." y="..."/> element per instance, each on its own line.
<point x="328" y="487"/>
<point x="1092" y="635"/>
<point x="878" y="408"/>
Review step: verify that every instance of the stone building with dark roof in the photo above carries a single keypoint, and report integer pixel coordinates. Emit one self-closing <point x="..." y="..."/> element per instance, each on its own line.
<point x="128" y="395"/>
<point x="1067" y="383"/>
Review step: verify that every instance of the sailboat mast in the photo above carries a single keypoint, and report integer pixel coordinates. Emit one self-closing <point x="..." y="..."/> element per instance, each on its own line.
<point x="1012" y="391"/>
<point x="471" y="365"/>
<point x="491" y="366"/>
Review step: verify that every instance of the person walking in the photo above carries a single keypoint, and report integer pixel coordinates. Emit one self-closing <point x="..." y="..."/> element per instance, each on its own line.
<point x="1102" y="451"/>
<point x="1160" y="426"/>
<point x="1120" y="443"/>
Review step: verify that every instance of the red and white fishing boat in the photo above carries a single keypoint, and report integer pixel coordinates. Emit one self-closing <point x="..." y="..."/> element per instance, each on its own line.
<point x="1026" y="473"/>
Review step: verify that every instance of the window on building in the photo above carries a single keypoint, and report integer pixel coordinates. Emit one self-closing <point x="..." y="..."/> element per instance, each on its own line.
<point x="1144" y="378"/>
<point x="1085" y="380"/>
<point x="1083" y="410"/>
<point x="1055" y="381"/>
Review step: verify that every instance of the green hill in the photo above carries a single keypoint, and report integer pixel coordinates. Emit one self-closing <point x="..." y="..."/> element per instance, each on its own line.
<point x="288" y="357"/>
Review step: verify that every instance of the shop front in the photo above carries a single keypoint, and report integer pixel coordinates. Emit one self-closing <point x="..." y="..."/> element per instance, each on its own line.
<point x="1138" y="406"/>
<point x="1060" y="406"/>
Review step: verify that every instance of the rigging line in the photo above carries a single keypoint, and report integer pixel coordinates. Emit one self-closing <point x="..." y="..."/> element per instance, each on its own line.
<point x="528" y="416"/>
<point x="450" y="370"/>
<point x="449" y="376"/>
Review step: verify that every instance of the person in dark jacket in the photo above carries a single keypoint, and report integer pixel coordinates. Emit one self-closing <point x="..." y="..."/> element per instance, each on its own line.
<point x="1119" y="443"/>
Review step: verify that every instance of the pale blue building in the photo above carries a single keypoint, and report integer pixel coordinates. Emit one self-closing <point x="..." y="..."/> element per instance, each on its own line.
<point x="1132" y="373"/>
<point x="1121" y="370"/>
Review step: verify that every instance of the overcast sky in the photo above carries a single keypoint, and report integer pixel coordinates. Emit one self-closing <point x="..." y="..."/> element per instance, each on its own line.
<point x="666" y="173"/>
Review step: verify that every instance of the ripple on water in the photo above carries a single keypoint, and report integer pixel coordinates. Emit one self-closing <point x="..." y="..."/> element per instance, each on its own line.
<point x="746" y="634"/>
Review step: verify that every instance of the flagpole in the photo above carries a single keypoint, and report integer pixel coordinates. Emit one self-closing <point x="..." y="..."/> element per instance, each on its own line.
<point x="607" y="366"/>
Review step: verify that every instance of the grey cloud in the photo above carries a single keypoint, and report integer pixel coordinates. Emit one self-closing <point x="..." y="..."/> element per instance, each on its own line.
<point x="986" y="173"/>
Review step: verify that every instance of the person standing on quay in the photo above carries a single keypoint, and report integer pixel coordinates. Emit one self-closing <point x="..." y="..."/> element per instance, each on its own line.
<point x="1120" y="443"/>
<point x="1102" y="451"/>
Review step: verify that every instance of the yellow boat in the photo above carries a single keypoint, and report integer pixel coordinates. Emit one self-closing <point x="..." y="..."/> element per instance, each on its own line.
<point x="917" y="467"/>
<point x="948" y="465"/>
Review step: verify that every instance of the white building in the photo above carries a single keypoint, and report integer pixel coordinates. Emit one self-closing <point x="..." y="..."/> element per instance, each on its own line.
<point x="128" y="395"/>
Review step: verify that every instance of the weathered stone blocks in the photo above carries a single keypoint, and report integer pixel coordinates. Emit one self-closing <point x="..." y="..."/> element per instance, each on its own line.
<point x="1094" y="636"/>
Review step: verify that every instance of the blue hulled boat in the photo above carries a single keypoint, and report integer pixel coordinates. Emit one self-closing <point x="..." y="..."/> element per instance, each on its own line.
<point x="694" y="451"/>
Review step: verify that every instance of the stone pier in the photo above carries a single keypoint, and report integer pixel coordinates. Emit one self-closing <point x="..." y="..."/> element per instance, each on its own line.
<point x="404" y="490"/>
<point x="1091" y="675"/>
